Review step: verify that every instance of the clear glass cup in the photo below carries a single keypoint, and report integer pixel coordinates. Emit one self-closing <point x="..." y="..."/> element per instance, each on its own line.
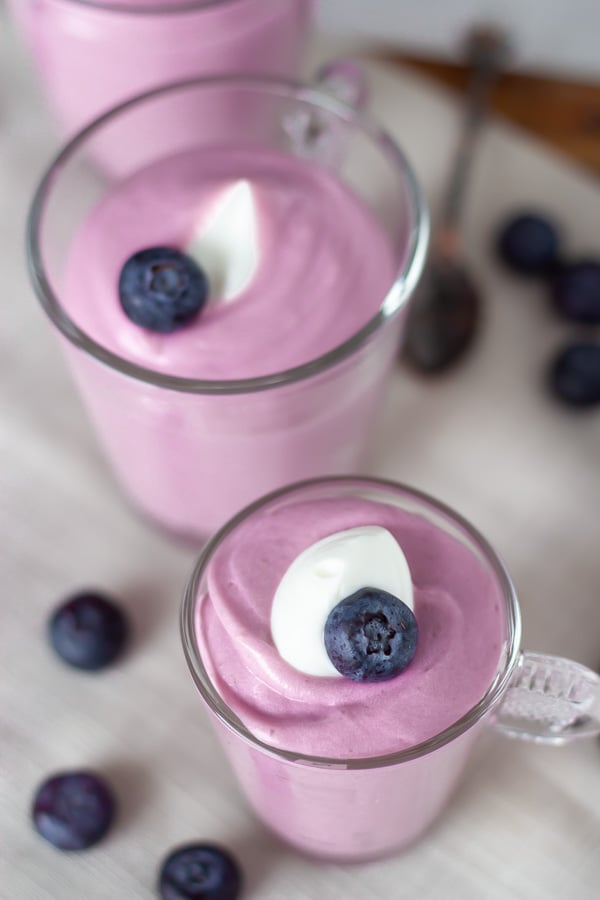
<point x="92" y="54"/>
<point x="190" y="453"/>
<point x="361" y="809"/>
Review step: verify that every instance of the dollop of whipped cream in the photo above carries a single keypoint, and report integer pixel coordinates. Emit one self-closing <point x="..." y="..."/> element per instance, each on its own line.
<point x="225" y="244"/>
<point x="320" y="577"/>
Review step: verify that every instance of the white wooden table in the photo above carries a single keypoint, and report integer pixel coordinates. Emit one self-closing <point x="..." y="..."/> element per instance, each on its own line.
<point x="526" y="821"/>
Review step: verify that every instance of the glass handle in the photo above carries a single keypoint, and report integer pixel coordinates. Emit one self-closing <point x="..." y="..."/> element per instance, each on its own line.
<point x="345" y="80"/>
<point x="316" y="134"/>
<point x="550" y="700"/>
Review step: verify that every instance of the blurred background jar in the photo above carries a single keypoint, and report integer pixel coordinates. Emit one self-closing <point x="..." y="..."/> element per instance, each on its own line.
<point x="92" y="54"/>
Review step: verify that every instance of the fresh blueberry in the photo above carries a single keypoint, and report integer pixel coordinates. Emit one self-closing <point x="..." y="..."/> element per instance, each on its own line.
<point x="371" y="635"/>
<point x="88" y="631"/>
<point x="575" y="290"/>
<point x="162" y="289"/>
<point x="200" y="871"/>
<point x="73" y="810"/>
<point x="575" y="375"/>
<point x="529" y="244"/>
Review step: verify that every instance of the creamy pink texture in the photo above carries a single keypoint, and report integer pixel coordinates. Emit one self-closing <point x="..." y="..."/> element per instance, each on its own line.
<point x="191" y="460"/>
<point x="325" y="265"/>
<point x="458" y="606"/>
<point x="91" y="56"/>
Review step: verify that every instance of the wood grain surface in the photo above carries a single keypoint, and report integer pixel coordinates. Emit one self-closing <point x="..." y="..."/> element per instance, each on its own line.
<point x="565" y="114"/>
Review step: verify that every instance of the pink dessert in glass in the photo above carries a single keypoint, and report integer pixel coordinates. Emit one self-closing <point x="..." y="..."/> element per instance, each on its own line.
<point x="93" y="54"/>
<point x="351" y="637"/>
<point x="310" y="228"/>
<point x="323" y="264"/>
<point x="457" y="605"/>
<point x="339" y="768"/>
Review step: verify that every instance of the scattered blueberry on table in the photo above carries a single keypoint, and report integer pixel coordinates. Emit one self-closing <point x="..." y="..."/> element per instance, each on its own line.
<point x="73" y="810"/>
<point x="575" y="291"/>
<point x="529" y="244"/>
<point x="575" y="375"/>
<point x="89" y="631"/>
<point x="162" y="289"/>
<point x="200" y="872"/>
<point x="371" y="635"/>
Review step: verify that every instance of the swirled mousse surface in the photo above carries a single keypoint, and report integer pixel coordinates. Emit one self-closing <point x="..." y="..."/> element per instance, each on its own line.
<point x="457" y="603"/>
<point x="324" y="264"/>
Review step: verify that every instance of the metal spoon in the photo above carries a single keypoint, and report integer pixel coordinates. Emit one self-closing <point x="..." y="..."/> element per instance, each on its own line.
<point x="444" y="317"/>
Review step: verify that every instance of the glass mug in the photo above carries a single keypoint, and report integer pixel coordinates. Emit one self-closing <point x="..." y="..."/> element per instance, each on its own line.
<point x="360" y="809"/>
<point x="93" y="54"/>
<point x="189" y="453"/>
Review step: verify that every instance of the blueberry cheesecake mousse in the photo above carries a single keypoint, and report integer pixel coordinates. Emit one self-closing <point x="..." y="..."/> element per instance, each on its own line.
<point x="347" y="628"/>
<point x="343" y="632"/>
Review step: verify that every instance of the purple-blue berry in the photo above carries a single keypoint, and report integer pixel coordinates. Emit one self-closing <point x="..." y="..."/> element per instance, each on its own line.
<point x="88" y="631"/>
<point x="162" y="289"/>
<point x="73" y="810"/>
<point x="529" y="244"/>
<point x="575" y="375"/>
<point x="200" y="871"/>
<point x="575" y="291"/>
<point x="371" y="635"/>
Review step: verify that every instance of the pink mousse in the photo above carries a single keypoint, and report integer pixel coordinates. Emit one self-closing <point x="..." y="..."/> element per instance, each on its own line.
<point x="461" y="631"/>
<point x="325" y="264"/>
<point x="93" y="54"/>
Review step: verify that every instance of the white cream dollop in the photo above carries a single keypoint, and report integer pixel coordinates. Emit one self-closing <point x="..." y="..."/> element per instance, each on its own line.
<point x="322" y="575"/>
<point x="225" y="245"/>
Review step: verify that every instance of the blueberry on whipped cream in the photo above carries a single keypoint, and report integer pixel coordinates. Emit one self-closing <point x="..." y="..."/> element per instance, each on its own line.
<point x="162" y="289"/>
<point x="371" y="636"/>
<point x="344" y="607"/>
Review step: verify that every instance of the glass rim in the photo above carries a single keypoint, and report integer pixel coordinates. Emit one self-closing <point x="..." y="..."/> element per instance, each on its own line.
<point x="182" y="6"/>
<point x="228" y="718"/>
<point x="401" y="289"/>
